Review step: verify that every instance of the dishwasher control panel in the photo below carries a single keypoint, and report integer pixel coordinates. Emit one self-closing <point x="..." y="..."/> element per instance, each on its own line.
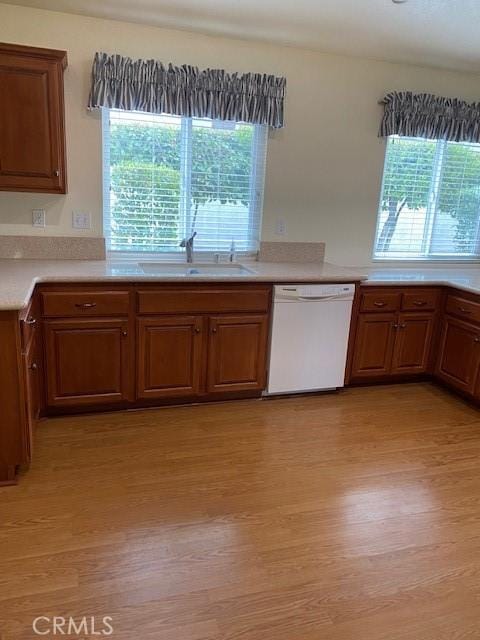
<point x="313" y="291"/>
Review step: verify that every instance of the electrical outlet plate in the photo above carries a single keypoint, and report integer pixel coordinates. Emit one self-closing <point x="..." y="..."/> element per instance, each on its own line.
<point x="280" y="227"/>
<point x="81" y="220"/>
<point x="38" y="217"/>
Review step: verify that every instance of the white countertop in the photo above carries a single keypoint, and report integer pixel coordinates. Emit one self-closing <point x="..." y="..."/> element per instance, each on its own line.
<point x="465" y="278"/>
<point x="19" y="277"/>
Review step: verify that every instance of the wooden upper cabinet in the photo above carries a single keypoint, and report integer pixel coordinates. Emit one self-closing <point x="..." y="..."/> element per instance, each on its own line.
<point x="459" y="355"/>
<point x="412" y="343"/>
<point x="374" y="343"/>
<point x="32" y="129"/>
<point x="237" y="347"/>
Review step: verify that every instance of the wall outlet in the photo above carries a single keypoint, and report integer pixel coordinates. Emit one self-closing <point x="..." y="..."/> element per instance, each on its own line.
<point x="280" y="227"/>
<point x="38" y="217"/>
<point x="81" y="220"/>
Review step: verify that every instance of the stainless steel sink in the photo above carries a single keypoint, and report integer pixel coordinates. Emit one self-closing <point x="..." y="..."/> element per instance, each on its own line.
<point x="194" y="269"/>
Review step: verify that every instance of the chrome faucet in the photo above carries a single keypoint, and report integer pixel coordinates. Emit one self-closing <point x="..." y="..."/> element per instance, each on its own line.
<point x="187" y="244"/>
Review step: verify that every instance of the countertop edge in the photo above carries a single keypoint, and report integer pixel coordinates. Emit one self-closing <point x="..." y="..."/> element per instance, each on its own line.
<point x="20" y="304"/>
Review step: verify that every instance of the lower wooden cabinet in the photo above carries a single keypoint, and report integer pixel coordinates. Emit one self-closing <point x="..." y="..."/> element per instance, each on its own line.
<point x="374" y="342"/>
<point x="413" y="341"/>
<point x="176" y="359"/>
<point x="237" y="349"/>
<point x="32" y="375"/>
<point x="389" y="344"/>
<point x="87" y="362"/>
<point x="459" y="355"/>
<point x="169" y="356"/>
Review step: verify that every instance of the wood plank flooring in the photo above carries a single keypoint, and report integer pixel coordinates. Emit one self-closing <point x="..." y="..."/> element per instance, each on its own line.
<point x="353" y="516"/>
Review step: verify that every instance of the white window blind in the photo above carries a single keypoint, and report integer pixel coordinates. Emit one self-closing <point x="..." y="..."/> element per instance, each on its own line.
<point x="430" y="200"/>
<point x="167" y="176"/>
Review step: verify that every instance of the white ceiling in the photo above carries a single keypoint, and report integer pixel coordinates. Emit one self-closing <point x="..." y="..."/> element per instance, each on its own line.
<point x="442" y="33"/>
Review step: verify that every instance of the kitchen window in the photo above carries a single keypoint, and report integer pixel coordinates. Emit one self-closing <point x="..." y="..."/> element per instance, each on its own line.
<point x="430" y="201"/>
<point x="167" y="176"/>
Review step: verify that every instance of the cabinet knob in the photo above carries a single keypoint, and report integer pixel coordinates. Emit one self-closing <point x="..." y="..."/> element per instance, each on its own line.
<point x="34" y="366"/>
<point x="477" y="339"/>
<point x="56" y="173"/>
<point x="395" y="326"/>
<point x="463" y="310"/>
<point x="197" y="330"/>
<point x="214" y="329"/>
<point x="125" y="333"/>
<point x="402" y="326"/>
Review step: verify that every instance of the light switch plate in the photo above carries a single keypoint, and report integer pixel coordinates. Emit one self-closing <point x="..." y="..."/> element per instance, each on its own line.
<point x="81" y="220"/>
<point x="38" y="217"/>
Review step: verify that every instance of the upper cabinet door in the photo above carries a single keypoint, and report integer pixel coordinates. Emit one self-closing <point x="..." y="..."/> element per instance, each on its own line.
<point x="32" y="130"/>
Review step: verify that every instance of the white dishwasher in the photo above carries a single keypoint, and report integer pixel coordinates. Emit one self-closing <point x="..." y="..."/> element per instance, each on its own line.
<point x="309" y="337"/>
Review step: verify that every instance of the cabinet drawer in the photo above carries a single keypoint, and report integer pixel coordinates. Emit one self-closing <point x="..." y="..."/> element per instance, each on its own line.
<point x="420" y="300"/>
<point x="463" y="308"/>
<point x="63" y="304"/>
<point x="379" y="301"/>
<point x="207" y="300"/>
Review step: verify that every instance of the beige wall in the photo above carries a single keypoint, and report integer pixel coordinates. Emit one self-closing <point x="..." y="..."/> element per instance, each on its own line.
<point x="323" y="169"/>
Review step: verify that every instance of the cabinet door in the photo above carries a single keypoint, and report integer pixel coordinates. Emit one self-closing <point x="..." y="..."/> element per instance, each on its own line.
<point x="237" y="348"/>
<point x="32" y="396"/>
<point x="412" y="344"/>
<point x="459" y="354"/>
<point x="374" y="342"/>
<point x="32" y="154"/>
<point x="86" y="362"/>
<point x="169" y="360"/>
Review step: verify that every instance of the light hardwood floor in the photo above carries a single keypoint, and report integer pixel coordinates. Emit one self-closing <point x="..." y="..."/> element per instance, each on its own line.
<point x="339" y="517"/>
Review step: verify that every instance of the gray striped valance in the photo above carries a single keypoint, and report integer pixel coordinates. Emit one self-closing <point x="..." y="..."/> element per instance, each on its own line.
<point x="423" y="115"/>
<point x="148" y="85"/>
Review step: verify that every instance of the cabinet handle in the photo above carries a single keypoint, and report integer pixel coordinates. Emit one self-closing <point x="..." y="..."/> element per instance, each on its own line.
<point x="419" y="303"/>
<point x="31" y="320"/>
<point x="463" y="310"/>
<point x="85" y="305"/>
<point x="379" y="303"/>
<point x="34" y="366"/>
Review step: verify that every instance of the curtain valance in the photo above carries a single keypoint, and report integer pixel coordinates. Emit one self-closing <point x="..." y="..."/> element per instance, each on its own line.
<point x="424" y="115"/>
<point x="148" y="85"/>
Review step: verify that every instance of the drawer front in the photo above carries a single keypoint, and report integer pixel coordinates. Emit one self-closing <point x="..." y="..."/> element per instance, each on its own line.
<point x="60" y="304"/>
<point x="198" y="300"/>
<point x="420" y="300"/>
<point x="463" y="308"/>
<point x="379" y="301"/>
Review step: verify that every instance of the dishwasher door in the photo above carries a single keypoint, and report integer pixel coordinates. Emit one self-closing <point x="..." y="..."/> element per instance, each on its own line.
<point x="309" y="338"/>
